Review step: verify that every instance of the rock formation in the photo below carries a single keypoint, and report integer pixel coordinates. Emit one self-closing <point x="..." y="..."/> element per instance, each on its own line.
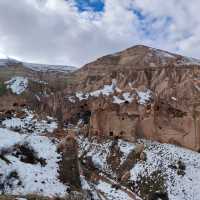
<point x="165" y="92"/>
<point x="69" y="167"/>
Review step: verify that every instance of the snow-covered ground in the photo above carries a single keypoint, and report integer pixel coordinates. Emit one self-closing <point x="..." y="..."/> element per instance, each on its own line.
<point x="20" y="177"/>
<point x="29" y="161"/>
<point x="183" y="183"/>
<point x="98" y="152"/>
<point x="29" y="123"/>
<point x="38" y="67"/>
<point x="17" y="84"/>
<point x="51" y="68"/>
<point x="179" y="167"/>
<point x="112" y="193"/>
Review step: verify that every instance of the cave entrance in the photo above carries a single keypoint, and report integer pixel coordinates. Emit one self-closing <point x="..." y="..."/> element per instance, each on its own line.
<point x="111" y="133"/>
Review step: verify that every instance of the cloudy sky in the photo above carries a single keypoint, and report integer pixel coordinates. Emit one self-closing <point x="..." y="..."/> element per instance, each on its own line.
<point x="74" y="32"/>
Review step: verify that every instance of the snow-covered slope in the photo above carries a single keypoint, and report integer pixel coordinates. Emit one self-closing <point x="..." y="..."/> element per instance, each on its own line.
<point x="38" y="67"/>
<point x="6" y="62"/>
<point x="49" y="68"/>
<point x="166" y="169"/>
<point x="29" y="161"/>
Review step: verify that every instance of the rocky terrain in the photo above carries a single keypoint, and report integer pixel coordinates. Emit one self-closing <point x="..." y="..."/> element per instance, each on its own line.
<point x="125" y="126"/>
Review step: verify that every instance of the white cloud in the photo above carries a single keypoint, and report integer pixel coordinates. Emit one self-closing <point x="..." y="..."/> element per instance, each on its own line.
<point x="54" y="31"/>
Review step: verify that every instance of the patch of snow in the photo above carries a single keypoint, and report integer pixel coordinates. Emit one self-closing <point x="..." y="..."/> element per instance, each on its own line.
<point x="85" y="185"/>
<point x="9" y="138"/>
<point x="20" y="198"/>
<point x="162" y="54"/>
<point x="97" y="152"/>
<point x="160" y="157"/>
<point x="190" y="61"/>
<point x="30" y="123"/>
<point x="17" y="84"/>
<point x="106" y="91"/>
<point x="144" y="97"/>
<point x="72" y="99"/>
<point x="35" y="178"/>
<point x="174" y="98"/>
<point x="81" y="96"/>
<point x="112" y="193"/>
<point x="125" y="148"/>
<point x="126" y="96"/>
<point x="117" y="100"/>
<point x="49" y="68"/>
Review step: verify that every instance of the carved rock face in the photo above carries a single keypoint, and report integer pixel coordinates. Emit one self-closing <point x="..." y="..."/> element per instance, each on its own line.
<point x="171" y="114"/>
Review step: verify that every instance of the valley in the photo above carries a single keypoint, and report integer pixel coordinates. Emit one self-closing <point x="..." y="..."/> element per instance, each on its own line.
<point x="123" y="127"/>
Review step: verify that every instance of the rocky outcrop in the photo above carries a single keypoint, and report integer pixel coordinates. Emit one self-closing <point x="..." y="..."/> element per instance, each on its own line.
<point x="163" y="102"/>
<point x="69" y="167"/>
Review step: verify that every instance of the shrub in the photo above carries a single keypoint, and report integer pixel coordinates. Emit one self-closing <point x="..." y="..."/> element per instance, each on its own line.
<point x="2" y="88"/>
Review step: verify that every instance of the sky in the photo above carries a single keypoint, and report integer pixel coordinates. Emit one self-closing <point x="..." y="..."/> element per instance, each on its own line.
<point x="75" y="32"/>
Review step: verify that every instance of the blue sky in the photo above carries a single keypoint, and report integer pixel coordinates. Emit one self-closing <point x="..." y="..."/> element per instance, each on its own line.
<point x="75" y="32"/>
<point x="94" y="5"/>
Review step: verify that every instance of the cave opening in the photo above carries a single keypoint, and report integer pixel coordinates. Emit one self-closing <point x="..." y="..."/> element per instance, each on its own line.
<point x="111" y="133"/>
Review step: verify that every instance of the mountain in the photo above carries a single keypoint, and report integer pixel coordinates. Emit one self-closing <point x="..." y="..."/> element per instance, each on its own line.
<point x="137" y="58"/>
<point x="37" y="67"/>
<point x="157" y="90"/>
<point x="123" y="127"/>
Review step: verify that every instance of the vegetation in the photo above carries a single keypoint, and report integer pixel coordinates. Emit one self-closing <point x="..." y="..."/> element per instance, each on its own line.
<point x="151" y="187"/>
<point x="2" y="88"/>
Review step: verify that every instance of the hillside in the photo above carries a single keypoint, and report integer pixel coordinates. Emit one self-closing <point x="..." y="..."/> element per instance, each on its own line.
<point x="123" y="127"/>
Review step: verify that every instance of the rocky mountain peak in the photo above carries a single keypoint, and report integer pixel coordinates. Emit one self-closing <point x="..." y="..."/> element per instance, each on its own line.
<point x="140" y="57"/>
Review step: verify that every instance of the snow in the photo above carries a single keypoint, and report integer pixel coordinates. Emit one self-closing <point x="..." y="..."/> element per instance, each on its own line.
<point x="9" y="138"/>
<point x="33" y="178"/>
<point x="98" y="152"/>
<point x="5" y="61"/>
<point x="126" y="96"/>
<point x="84" y="184"/>
<point x="117" y="100"/>
<point x="72" y="99"/>
<point x="17" y="84"/>
<point x="144" y="97"/>
<point x="190" y="61"/>
<point x="51" y="68"/>
<point x="112" y="193"/>
<point x="164" y="54"/>
<point x="160" y="157"/>
<point x="81" y="96"/>
<point x="174" y="98"/>
<point x="125" y="149"/>
<point x="39" y="67"/>
<point x="31" y="123"/>
<point x="106" y="91"/>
